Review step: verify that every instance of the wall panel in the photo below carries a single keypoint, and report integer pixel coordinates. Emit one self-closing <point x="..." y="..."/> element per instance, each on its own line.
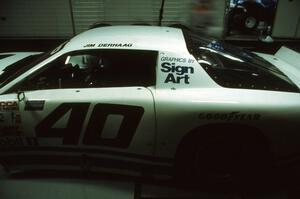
<point x="35" y="18"/>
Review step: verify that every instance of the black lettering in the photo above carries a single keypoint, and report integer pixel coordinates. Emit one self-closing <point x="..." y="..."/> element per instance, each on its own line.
<point x="229" y="116"/>
<point x="115" y="45"/>
<point x="131" y="118"/>
<point x="173" y="59"/>
<point x="201" y="116"/>
<point x="89" y="45"/>
<point x="92" y="136"/>
<point x="179" y="70"/>
<point x="165" y="67"/>
<point x="256" y="116"/>
<point x="242" y="117"/>
<point x="223" y="116"/>
<point x="171" y="78"/>
<point x="71" y="133"/>
<point x="186" y="79"/>
<point x="209" y="116"/>
<point x="249" y="117"/>
<point x="127" y="45"/>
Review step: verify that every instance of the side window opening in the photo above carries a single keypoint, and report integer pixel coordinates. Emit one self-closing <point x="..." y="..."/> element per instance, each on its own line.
<point x="94" y="69"/>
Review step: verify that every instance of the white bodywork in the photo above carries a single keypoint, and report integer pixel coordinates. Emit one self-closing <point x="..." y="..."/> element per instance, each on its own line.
<point x="172" y="109"/>
<point x="14" y="57"/>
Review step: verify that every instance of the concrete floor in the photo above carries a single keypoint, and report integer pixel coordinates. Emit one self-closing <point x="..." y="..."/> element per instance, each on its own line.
<point x="64" y="185"/>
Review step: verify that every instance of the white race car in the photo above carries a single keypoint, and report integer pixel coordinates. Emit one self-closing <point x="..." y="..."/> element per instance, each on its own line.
<point x="150" y="99"/>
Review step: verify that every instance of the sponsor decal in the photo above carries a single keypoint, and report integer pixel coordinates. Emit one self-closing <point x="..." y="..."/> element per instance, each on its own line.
<point x="36" y="105"/>
<point x="18" y="141"/>
<point x="9" y="106"/>
<point x="112" y="45"/>
<point x="10" y="118"/>
<point x="92" y="135"/>
<point x="177" y="69"/>
<point x="173" y="59"/>
<point x="233" y="116"/>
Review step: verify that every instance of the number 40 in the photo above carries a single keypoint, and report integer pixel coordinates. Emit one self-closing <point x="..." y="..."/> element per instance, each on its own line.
<point x="92" y="135"/>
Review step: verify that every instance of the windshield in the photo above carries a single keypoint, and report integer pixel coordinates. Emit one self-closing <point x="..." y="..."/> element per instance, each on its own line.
<point x="234" y="67"/>
<point x="13" y="71"/>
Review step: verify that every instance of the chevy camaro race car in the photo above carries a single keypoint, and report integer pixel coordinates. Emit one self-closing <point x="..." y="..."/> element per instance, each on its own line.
<point x="150" y="99"/>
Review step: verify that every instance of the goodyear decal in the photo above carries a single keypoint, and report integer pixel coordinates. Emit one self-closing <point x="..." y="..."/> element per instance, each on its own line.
<point x="177" y="69"/>
<point x="233" y="116"/>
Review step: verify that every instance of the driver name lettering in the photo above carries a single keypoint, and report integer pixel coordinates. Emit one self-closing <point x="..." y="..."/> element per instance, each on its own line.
<point x="111" y="45"/>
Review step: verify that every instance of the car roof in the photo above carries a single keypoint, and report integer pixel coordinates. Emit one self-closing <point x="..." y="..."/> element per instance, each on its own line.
<point x="130" y="37"/>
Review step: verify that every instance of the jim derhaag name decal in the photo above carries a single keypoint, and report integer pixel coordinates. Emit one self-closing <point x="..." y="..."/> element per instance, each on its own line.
<point x="111" y="45"/>
<point x="177" y="69"/>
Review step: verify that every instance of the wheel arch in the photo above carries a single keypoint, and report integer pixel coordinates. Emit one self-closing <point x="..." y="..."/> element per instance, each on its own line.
<point x="210" y="130"/>
<point x="250" y="165"/>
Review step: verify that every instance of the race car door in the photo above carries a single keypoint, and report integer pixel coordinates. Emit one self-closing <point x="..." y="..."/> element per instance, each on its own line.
<point x="96" y="99"/>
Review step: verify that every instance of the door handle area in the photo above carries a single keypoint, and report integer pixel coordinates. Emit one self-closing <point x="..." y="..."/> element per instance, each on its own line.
<point x="34" y="105"/>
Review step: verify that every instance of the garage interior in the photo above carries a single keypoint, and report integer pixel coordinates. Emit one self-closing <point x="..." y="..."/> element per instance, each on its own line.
<point x="42" y="25"/>
<point x="35" y="25"/>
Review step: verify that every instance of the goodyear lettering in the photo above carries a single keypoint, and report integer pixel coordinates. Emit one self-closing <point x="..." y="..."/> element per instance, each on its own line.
<point x="233" y="116"/>
<point x="176" y="73"/>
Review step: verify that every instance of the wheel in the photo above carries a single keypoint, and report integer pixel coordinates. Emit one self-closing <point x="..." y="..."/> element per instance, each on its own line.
<point x="228" y="156"/>
<point x="250" y="23"/>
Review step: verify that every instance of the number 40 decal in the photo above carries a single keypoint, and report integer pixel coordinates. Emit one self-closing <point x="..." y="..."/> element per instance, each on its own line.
<point x="92" y="135"/>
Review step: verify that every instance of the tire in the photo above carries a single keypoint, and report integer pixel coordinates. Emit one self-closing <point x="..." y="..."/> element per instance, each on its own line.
<point x="222" y="156"/>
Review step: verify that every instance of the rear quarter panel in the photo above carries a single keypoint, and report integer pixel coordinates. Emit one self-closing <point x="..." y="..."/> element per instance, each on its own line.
<point x="275" y="114"/>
